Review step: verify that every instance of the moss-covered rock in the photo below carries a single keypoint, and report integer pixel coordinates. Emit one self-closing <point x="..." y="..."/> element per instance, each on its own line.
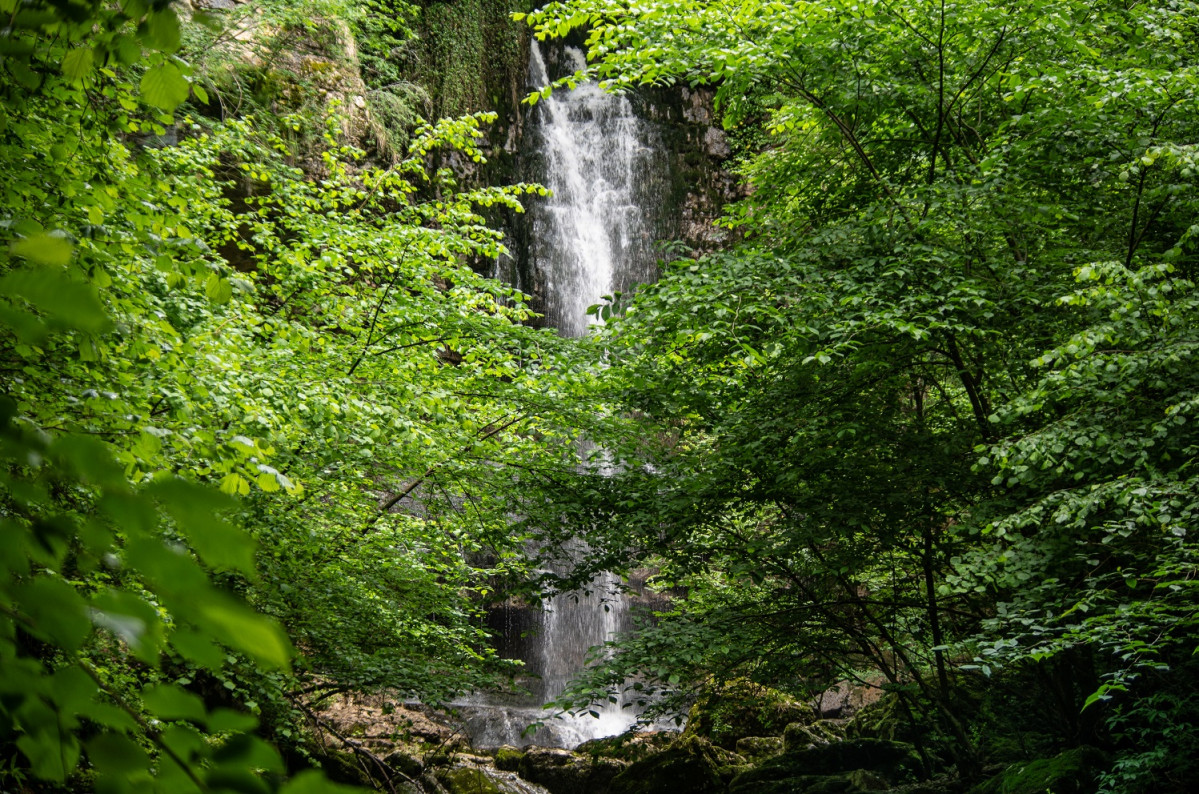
<point x="691" y="764"/>
<point x="343" y="767"/>
<point x="508" y="758"/>
<point x="466" y="780"/>
<point x="888" y="762"/>
<point x="855" y="782"/>
<point x="947" y="784"/>
<point x="406" y="761"/>
<point x="564" y="772"/>
<point x="1072" y="772"/>
<point x="756" y="748"/>
<point x="630" y="746"/>
<point x="739" y="709"/>
<point x="803" y="735"/>
<point x="887" y="718"/>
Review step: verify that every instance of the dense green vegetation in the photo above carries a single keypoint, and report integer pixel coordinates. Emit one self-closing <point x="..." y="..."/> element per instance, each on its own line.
<point x="927" y="425"/>
<point x="931" y="421"/>
<point x="259" y="414"/>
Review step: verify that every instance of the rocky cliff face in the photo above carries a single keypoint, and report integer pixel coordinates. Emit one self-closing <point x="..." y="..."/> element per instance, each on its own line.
<point x="685" y="184"/>
<point x="698" y="152"/>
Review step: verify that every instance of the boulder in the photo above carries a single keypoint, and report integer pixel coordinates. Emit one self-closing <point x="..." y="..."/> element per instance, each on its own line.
<point x="691" y="765"/>
<point x="508" y="758"/>
<point x="466" y="780"/>
<point x="857" y="782"/>
<point x="804" y="735"/>
<point x="565" y="772"/>
<point x="756" y="748"/>
<point x="847" y="698"/>
<point x="406" y="762"/>
<point x="858" y="765"/>
<point x="629" y="746"/>
<point x="740" y="708"/>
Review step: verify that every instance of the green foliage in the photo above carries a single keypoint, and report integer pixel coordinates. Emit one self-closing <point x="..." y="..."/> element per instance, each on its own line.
<point x="109" y="557"/>
<point x="936" y="403"/>
<point x="1072" y="771"/>
<point x="244" y="412"/>
<point x="1156" y="732"/>
<point x="463" y="47"/>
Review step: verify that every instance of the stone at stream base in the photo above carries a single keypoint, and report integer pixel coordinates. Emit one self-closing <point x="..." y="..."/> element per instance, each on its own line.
<point x="759" y="748"/>
<point x="691" y="765"/>
<point x="853" y="766"/>
<point x="464" y="780"/>
<point x="406" y="762"/>
<point x="508" y="758"/>
<point x="629" y="746"/>
<point x="564" y="772"/>
<point x="858" y="781"/>
<point x="1072" y="772"/>
<point x="739" y="708"/>
<point x="804" y="736"/>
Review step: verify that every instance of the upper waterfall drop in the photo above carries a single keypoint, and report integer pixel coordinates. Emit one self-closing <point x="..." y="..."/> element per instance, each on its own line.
<point x="595" y="234"/>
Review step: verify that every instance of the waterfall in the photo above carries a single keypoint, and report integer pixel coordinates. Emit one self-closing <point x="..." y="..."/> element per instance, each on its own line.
<point x="604" y="165"/>
<point x="593" y="236"/>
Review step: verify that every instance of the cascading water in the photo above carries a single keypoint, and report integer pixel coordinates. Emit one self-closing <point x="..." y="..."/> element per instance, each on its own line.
<point x="604" y="165"/>
<point x="594" y="236"/>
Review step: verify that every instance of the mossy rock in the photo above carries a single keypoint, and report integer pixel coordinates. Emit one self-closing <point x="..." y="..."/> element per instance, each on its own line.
<point x="947" y="784"/>
<point x="629" y="746"/>
<point x="893" y="761"/>
<point x="465" y="780"/>
<point x="802" y="735"/>
<point x="508" y="758"/>
<point x="691" y="764"/>
<point x="856" y="782"/>
<point x="884" y="719"/>
<point x="343" y="767"/>
<point x="407" y="762"/>
<point x="1071" y="772"/>
<point x="739" y="708"/>
<point x="756" y="748"/>
<point x="564" y="772"/>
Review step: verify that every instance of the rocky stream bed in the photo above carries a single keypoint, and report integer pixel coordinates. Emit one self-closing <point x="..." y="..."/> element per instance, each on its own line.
<point x="744" y="742"/>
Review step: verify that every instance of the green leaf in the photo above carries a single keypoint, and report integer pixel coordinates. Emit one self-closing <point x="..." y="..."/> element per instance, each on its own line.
<point x="234" y="483"/>
<point x="89" y="460"/>
<point x="267" y="482"/>
<point x="311" y="781"/>
<point x="131" y="619"/>
<point x="115" y="755"/>
<point x="218" y="289"/>
<point x="195" y="509"/>
<point x="162" y="29"/>
<point x="170" y="702"/>
<point x="239" y="627"/>
<point x="230" y="721"/>
<point x="53" y="757"/>
<point x="164" y="86"/>
<point x="71" y="303"/>
<point x="53" y="249"/>
<point x="58" y="613"/>
<point x="78" y="63"/>
<point x="129" y="50"/>
<point x="197" y="648"/>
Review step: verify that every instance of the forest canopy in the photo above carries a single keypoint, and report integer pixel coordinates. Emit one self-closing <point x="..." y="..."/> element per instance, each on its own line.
<point x="929" y="421"/>
<point x="269" y="432"/>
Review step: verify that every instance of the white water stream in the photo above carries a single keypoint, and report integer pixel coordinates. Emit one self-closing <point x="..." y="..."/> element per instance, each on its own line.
<point x="592" y="237"/>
